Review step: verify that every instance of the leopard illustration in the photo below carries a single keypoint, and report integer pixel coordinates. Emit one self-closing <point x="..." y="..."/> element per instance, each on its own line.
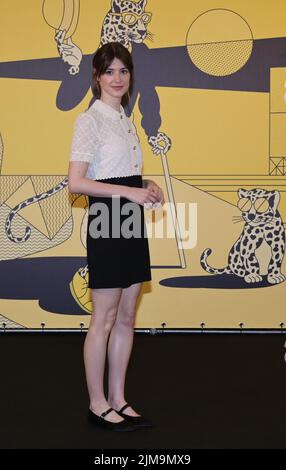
<point x="262" y="223"/>
<point x="26" y="203"/>
<point x="126" y="22"/>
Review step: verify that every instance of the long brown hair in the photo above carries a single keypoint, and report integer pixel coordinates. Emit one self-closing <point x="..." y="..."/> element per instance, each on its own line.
<point x="102" y="60"/>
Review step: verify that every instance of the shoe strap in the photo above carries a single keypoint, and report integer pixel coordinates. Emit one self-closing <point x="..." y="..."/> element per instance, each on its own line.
<point x="123" y="408"/>
<point x="106" y="412"/>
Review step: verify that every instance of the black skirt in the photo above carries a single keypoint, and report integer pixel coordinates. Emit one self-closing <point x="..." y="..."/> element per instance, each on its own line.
<point x="117" y="243"/>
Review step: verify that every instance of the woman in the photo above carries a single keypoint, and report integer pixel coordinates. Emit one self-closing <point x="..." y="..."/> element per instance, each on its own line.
<point x="105" y="164"/>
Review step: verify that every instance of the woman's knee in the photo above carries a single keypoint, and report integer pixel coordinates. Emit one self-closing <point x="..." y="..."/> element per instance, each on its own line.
<point x="126" y="316"/>
<point x="104" y="321"/>
<point x="110" y="320"/>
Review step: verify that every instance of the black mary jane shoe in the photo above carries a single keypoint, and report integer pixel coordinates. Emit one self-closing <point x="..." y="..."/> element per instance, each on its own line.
<point x="100" y="421"/>
<point x="137" y="421"/>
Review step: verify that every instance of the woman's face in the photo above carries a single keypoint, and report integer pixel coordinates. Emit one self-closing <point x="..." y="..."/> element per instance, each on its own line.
<point x="114" y="82"/>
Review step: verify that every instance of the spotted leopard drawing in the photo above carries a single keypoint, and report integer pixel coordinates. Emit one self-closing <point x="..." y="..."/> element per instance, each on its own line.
<point x="259" y="210"/>
<point x="26" y="203"/>
<point x="126" y="22"/>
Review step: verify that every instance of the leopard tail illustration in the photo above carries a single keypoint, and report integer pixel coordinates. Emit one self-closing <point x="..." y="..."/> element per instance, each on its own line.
<point x="28" y="202"/>
<point x="206" y="253"/>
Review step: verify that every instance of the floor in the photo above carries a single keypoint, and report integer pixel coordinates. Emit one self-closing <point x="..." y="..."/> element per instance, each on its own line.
<point x="203" y="391"/>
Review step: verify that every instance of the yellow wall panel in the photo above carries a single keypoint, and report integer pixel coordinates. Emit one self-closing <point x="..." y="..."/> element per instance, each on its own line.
<point x="213" y="84"/>
<point x="278" y="135"/>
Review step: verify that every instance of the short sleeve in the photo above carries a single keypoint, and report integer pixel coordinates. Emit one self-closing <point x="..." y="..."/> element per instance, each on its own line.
<point x="84" y="139"/>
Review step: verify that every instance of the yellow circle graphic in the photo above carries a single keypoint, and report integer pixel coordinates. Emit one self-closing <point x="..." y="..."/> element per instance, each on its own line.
<point x="219" y="42"/>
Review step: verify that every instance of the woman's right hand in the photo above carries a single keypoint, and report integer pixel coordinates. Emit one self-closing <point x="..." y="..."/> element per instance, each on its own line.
<point x="141" y="195"/>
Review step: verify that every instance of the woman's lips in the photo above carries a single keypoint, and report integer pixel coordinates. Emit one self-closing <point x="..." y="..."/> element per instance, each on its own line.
<point x="117" y="87"/>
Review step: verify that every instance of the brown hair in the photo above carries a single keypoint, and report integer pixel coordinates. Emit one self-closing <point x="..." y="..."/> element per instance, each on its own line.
<point x="102" y="60"/>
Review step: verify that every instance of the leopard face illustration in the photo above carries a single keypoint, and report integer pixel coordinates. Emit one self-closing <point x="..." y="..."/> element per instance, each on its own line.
<point x="126" y="22"/>
<point x="259" y="211"/>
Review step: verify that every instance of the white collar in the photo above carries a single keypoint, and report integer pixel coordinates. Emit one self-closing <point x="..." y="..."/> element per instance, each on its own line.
<point x="107" y="109"/>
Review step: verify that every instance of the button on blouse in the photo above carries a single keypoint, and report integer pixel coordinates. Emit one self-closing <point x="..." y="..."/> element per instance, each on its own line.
<point x="108" y="141"/>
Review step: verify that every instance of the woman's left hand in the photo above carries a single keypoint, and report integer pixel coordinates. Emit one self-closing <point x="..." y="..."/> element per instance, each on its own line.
<point x="157" y="191"/>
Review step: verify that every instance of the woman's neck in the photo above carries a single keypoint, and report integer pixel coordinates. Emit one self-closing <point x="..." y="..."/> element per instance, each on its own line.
<point x="114" y="103"/>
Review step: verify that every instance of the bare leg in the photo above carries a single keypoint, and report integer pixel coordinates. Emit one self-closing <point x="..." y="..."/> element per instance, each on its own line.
<point x="105" y="305"/>
<point x="120" y="347"/>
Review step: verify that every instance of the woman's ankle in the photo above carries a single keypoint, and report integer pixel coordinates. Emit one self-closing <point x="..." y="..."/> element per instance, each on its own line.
<point x="116" y="402"/>
<point x="98" y="404"/>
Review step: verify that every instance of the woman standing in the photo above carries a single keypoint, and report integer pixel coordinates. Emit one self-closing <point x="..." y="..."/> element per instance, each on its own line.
<point x="106" y="165"/>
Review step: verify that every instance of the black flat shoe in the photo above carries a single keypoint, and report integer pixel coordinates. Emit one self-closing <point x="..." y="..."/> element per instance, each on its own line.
<point x="137" y="421"/>
<point x="100" y="421"/>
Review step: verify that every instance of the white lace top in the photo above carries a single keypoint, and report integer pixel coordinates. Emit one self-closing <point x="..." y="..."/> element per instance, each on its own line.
<point x="108" y="141"/>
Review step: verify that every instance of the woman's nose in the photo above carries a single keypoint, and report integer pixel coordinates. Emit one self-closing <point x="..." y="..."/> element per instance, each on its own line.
<point x="117" y="77"/>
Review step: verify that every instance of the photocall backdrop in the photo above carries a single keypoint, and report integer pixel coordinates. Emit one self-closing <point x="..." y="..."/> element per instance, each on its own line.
<point x="209" y="104"/>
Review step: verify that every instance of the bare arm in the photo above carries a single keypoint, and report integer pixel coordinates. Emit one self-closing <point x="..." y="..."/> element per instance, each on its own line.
<point x="78" y="183"/>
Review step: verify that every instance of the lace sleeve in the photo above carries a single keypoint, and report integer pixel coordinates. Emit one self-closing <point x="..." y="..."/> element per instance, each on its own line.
<point x="84" y="139"/>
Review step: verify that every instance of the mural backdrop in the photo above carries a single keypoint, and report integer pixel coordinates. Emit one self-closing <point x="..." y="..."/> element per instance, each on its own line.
<point x="209" y="104"/>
